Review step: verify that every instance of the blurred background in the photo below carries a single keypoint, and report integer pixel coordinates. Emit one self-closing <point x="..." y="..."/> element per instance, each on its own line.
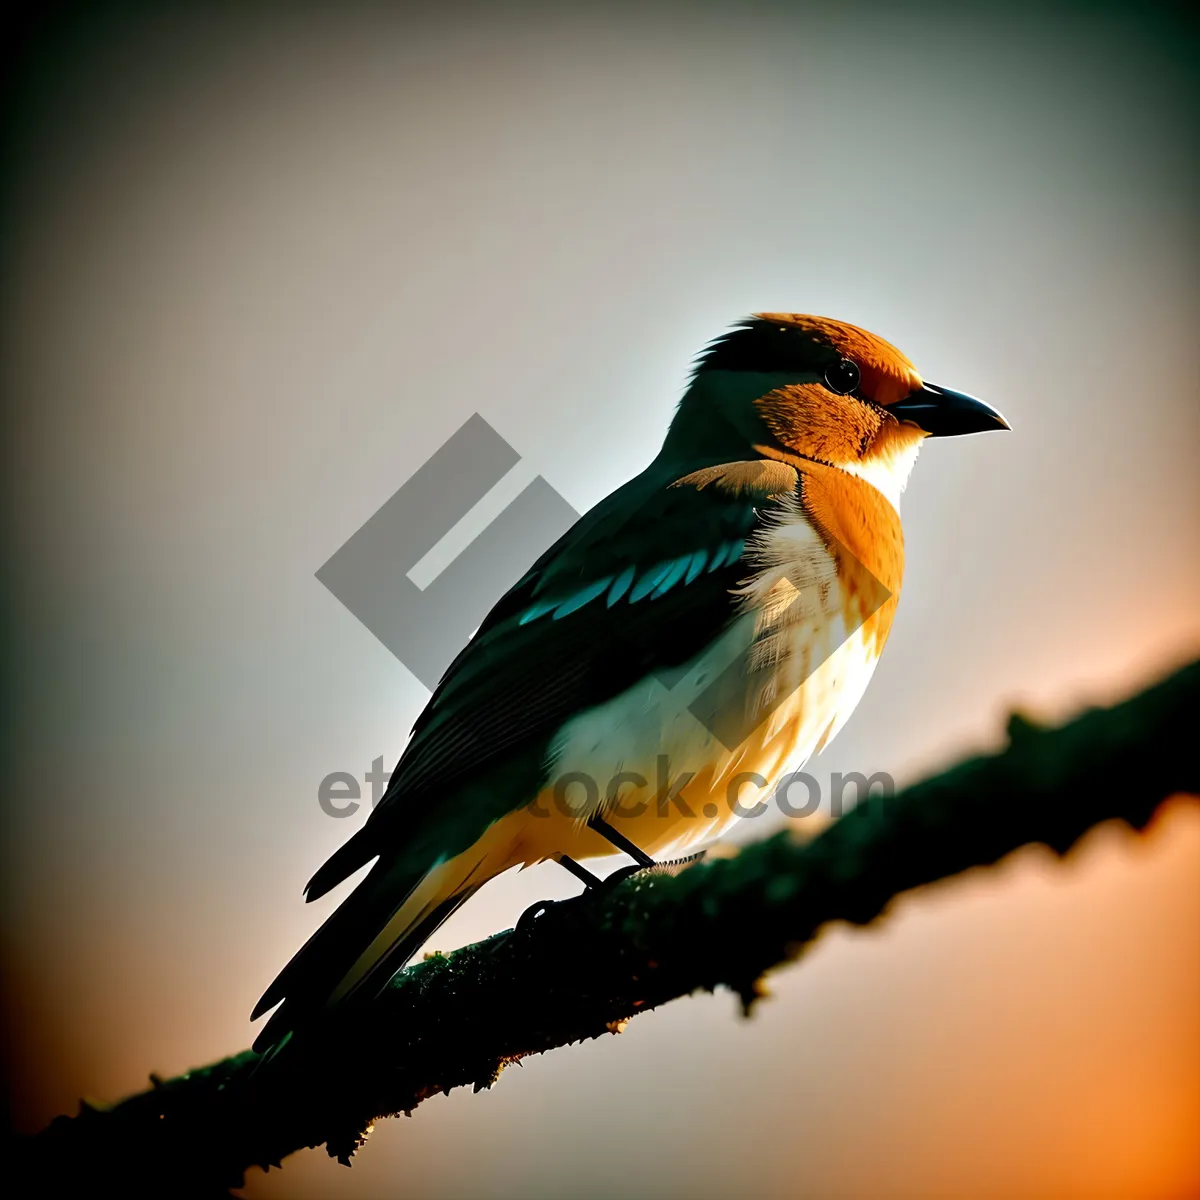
<point x="259" y="262"/>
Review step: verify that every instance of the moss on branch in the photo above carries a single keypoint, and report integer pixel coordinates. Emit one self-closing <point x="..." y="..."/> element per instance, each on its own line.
<point x="587" y="966"/>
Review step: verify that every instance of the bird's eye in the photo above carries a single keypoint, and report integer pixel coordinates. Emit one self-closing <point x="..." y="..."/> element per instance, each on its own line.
<point x="843" y="377"/>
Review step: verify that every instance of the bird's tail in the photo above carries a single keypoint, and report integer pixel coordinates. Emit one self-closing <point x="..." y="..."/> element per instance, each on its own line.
<point x="374" y="933"/>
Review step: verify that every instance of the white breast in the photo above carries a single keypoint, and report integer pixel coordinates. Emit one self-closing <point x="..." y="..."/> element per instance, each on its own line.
<point x="797" y="675"/>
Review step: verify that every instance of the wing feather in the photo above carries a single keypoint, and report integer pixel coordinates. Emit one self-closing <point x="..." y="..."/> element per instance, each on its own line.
<point x="641" y="583"/>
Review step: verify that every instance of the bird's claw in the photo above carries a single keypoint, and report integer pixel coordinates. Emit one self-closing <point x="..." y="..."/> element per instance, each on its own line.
<point x="619" y="876"/>
<point x="673" y="866"/>
<point x="601" y="887"/>
<point x="670" y="867"/>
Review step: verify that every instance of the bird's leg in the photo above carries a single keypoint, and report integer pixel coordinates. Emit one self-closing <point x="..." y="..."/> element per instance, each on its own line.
<point x="589" y="881"/>
<point x="641" y="862"/>
<point x="579" y="871"/>
<point x="606" y="831"/>
<point x="621" y="842"/>
<point x="592" y="882"/>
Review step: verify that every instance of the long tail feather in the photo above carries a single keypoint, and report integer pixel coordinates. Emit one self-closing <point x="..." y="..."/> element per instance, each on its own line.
<point x="309" y="979"/>
<point x="375" y="932"/>
<point x="344" y="861"/>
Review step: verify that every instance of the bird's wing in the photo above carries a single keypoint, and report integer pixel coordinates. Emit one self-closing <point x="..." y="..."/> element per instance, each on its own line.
<point x="640" y="583"/>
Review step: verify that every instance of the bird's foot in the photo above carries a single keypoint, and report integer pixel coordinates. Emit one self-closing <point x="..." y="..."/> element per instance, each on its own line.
<point x="595" y="886"/>
<point x="673" y="866"/>
<point x="668" y="867"/>
<point x="526" y="919"/>
<point x="589" y="881"/>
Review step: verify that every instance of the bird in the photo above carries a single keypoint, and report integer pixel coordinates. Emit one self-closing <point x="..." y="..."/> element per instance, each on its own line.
<point x="689" y="643"/>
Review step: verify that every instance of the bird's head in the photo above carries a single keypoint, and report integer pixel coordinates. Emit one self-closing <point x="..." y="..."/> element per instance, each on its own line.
<point x="815" y="388"/>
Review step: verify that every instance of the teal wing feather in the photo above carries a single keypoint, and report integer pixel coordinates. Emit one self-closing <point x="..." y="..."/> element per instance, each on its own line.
<point x="640" y="583"/>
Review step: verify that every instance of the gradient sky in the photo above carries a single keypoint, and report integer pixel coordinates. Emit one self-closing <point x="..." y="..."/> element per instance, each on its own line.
<point x="259" y="266"/>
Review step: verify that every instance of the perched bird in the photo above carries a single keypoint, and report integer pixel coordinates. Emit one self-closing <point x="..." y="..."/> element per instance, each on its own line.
<point x="688" y="642"/>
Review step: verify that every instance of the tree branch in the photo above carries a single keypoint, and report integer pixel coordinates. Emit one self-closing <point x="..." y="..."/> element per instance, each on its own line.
<point x="586" y="966"/>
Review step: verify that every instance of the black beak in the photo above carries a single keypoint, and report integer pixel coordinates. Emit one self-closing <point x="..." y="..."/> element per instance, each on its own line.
<point x="943" y="413"/>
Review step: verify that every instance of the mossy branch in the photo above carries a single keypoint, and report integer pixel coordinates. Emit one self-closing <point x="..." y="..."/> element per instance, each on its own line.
<point x="588" y="965"/>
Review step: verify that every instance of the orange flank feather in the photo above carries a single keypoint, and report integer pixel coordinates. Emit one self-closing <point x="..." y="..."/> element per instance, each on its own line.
<point x="863" y="531"/>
